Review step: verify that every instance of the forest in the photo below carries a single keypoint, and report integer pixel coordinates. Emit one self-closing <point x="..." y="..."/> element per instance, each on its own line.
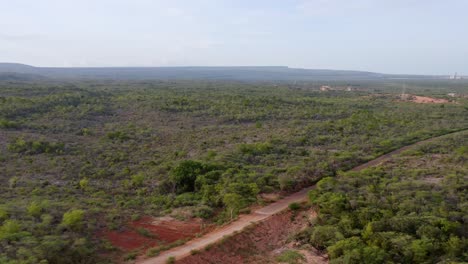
<point x="412" y="209"/>
<point x="79" y="157"/>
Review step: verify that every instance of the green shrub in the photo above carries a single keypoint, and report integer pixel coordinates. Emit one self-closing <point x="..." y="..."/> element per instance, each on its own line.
<point x="145" y="232"/>
<point x="73" y="219"/>
<point x="131" y="256"/>
<point x="194" y="251"/>
<point x="35" y="147"/>
<point x="152" y="252"/>
<point x="8" y="124"/>
<point x="11" y="231"/>
<point x="3" y="214"/>
<point x="186" y="199"/>
<point x="34" y="209"/>
<point x="294" y="206"/>
<point x="138" y="179"/>
<point x="84" y="183"/>
<point x="204" y="212"/>
<point x="118" y="136"/>
<point x="291" y="257"/>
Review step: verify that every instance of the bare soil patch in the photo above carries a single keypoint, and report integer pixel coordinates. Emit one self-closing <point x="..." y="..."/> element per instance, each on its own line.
<point x="427" y="100"/>
<point x="149" y="232"/>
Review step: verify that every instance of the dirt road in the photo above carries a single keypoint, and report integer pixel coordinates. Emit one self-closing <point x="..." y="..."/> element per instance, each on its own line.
<point x="258" y="215"/>
<point x="385" y="157"/>
<point x="239" y="224"/>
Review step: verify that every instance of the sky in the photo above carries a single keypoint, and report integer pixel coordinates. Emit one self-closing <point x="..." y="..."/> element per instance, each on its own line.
<point x="388" y="36"/>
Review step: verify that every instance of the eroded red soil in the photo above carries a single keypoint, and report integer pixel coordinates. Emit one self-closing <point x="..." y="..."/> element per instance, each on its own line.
<point x="260" y="243"/>
<point x="157" y="231"/>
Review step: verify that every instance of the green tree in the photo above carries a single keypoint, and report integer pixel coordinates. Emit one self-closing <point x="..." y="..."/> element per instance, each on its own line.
<point x="324" y="236"/>
<point x="233" y="203"/>
<point x="185" y="174"/>
<point x="421" y="249"/>
<point x="454" y="246"/>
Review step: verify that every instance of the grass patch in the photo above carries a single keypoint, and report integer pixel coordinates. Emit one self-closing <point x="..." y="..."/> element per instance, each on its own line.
<point x="170" y="260"/>
<point x="145" y="232"/>
<point x="290" y="257"/>
<point x="194" y="251"/>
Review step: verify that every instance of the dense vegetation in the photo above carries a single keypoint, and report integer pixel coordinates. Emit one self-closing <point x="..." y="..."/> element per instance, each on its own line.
<point x="79" y="157"/>
<point x="410" y="210"/>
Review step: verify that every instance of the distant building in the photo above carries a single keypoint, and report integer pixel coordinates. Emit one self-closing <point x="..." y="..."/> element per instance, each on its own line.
<point x="325" y="88"/>
<point x="349" y="88"/>
<point x="456" y="77"/>
<point x="451" y="94"/>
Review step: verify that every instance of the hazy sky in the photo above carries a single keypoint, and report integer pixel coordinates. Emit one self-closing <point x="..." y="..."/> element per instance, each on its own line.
<point x="391" y="36"/>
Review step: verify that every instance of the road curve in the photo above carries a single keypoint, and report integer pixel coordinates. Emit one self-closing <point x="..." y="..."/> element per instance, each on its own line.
<point x="258" y="215"/>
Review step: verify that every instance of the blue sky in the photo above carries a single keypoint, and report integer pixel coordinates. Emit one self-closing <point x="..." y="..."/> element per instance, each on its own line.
<point x="390" y="36"/>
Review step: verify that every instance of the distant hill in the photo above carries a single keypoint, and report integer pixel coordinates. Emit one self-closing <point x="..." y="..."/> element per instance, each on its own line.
<point x="241" y="73"/>
<point x="15" y="76"/>
<point x="16" y="67"/>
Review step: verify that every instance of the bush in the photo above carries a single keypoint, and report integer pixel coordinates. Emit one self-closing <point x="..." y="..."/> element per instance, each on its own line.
<point x="204" y="212"/>
<point x="286" y="182"/>
<point x="138" y="179"/>
<point x="294" y="206"/>
<point x="186" y="199"/>
<point x="131" y="256"/>
<point x="324" y="236"/>
<point x="35" y="209"/>
<point x="11" y="231"/>
<point x="73" y="219"/>
<point x="35" y="147"/>
<point x="84" y="183"/>
<point x="194" y="251"/>
<point x="145" y="232"/>
<point x="3" y="214"/>
<point x="291" y="257"/>
<point x="118" y="136"/>
<point x="8" y="124"/>
<point x="256" y="148"/>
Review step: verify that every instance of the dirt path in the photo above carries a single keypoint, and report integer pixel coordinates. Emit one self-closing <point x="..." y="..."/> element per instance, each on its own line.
<point x="258" y="215"/>
<point x="243" y="221"/>
<point x="385" y="157"/>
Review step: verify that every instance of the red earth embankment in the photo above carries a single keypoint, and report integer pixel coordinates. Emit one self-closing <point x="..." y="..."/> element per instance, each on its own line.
<point x="260" y="242"/>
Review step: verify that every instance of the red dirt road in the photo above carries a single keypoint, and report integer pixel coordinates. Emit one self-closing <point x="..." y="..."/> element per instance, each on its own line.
<point x="238" y="225"/>
<point x="258" y="215"/>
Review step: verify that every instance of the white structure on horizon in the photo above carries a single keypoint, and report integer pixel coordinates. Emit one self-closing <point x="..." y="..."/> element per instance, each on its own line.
<point x="325" y="88"/>
<point x="455" y="77"/>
